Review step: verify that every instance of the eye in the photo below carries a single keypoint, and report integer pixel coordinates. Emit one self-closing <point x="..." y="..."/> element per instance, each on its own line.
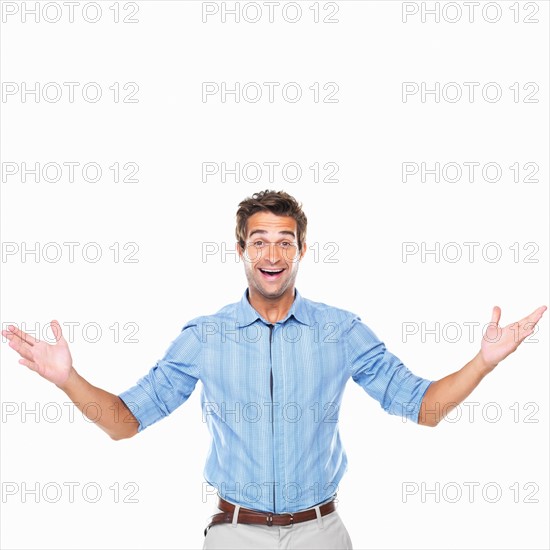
<point x="259" y="244"/>
<point x="286" y="244"/>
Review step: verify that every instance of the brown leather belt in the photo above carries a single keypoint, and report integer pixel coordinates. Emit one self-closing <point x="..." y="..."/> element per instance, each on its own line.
<point x="246" y="515"/>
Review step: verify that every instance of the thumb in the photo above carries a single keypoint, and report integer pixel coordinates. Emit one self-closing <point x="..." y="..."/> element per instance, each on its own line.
<point x="496" y="315"/>
<point x="57" y="332"/>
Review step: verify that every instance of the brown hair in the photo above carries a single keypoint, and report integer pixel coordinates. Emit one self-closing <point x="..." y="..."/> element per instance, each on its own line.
<point x="277" y="202"/>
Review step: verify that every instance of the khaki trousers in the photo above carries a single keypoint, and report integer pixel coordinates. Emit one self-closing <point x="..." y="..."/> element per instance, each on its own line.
<point x="324" y="533"/>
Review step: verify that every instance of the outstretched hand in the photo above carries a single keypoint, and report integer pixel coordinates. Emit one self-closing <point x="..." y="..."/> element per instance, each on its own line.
<point x="51" y="361"/>
<point x="499" y="342"/>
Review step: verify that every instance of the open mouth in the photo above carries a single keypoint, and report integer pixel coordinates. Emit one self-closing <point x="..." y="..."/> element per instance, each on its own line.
<point x="271" y="274"/>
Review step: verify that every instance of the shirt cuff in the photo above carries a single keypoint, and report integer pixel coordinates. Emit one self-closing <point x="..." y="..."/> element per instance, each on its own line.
<point x="409" y="406"/>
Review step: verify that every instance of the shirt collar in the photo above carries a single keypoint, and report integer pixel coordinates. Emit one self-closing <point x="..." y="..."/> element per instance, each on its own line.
<point x="246" y="314"/>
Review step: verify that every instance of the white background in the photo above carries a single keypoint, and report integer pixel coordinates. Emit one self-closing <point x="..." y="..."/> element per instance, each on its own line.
<point x="170" y="213"/>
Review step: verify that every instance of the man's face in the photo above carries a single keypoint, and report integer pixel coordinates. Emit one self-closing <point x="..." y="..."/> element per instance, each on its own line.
<point x="260" y="257"/>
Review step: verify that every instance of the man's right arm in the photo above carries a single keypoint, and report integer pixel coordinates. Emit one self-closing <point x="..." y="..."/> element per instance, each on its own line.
<point x="54" y="363"/>
<point x="115" y="418"/>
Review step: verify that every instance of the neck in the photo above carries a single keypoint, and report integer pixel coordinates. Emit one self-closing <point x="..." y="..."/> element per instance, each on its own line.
<point x="272" y="309"/>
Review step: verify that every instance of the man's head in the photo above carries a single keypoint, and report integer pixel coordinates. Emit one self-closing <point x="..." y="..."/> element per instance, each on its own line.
<point x="271" y="232"/>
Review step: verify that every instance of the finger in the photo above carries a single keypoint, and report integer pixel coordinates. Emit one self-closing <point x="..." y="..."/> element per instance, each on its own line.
<point x="56" y="329"/>
<point x="533" y="317"/>
<point x="496" y="315"/>
<point x="30" y="364"/>
<point x="537" y="314"/>
<point x="21" y="347"/>
<point x="527" y="328"/>
<point x="514" y="332"/>
<point x="522" y="330"/>
<point x="22" y="335"/>
<point x="10" y="335"/>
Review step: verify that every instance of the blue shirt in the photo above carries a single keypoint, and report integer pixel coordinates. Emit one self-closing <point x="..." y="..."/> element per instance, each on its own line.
<point x="271" y="396"/>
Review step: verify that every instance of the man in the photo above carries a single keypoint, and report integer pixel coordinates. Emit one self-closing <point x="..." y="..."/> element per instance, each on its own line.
<point x="273" y="368"/>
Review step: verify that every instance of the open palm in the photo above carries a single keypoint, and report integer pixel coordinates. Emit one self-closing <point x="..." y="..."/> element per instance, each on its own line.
<point x="51" y="361"/>
<point x="499" y="342"/>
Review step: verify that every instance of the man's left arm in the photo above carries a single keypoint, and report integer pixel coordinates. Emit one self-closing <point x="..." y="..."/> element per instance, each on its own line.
<point x="443" y="395"/>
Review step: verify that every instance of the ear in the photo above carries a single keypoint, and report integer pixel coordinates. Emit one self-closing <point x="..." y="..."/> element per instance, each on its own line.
<point x="304" y="248"/>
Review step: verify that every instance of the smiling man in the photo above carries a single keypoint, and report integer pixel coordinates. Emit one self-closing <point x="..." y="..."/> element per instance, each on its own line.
<point x="273" y="368"/>
<point x="271" y="244"/>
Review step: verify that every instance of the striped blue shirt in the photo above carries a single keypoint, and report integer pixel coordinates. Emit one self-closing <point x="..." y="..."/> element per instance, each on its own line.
<point x="271" y="395"/>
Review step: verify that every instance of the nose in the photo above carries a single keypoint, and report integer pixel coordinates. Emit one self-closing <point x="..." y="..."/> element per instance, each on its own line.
<point x="274" y="252"/>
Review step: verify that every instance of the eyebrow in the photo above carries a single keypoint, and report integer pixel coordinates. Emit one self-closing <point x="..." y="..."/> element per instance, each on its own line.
<point x="263" y="232"/>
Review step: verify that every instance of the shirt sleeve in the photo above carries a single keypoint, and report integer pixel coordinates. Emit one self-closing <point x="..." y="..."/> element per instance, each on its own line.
<point x="169" y="383"/>
<point x="381" y="374"/>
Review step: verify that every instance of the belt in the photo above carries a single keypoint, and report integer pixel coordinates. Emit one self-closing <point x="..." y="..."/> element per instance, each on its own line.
<point x="246" y="515"/>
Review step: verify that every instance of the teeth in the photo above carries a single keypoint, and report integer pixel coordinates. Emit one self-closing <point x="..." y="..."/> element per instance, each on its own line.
<point x="272" y="270"/>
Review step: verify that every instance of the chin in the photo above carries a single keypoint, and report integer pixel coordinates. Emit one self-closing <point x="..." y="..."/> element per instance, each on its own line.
<point x="271" y="293"/>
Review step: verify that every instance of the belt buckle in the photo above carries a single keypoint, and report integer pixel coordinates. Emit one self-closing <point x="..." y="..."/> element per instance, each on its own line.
<point x="291" y="517"/>
<point x="269" y="518"/>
